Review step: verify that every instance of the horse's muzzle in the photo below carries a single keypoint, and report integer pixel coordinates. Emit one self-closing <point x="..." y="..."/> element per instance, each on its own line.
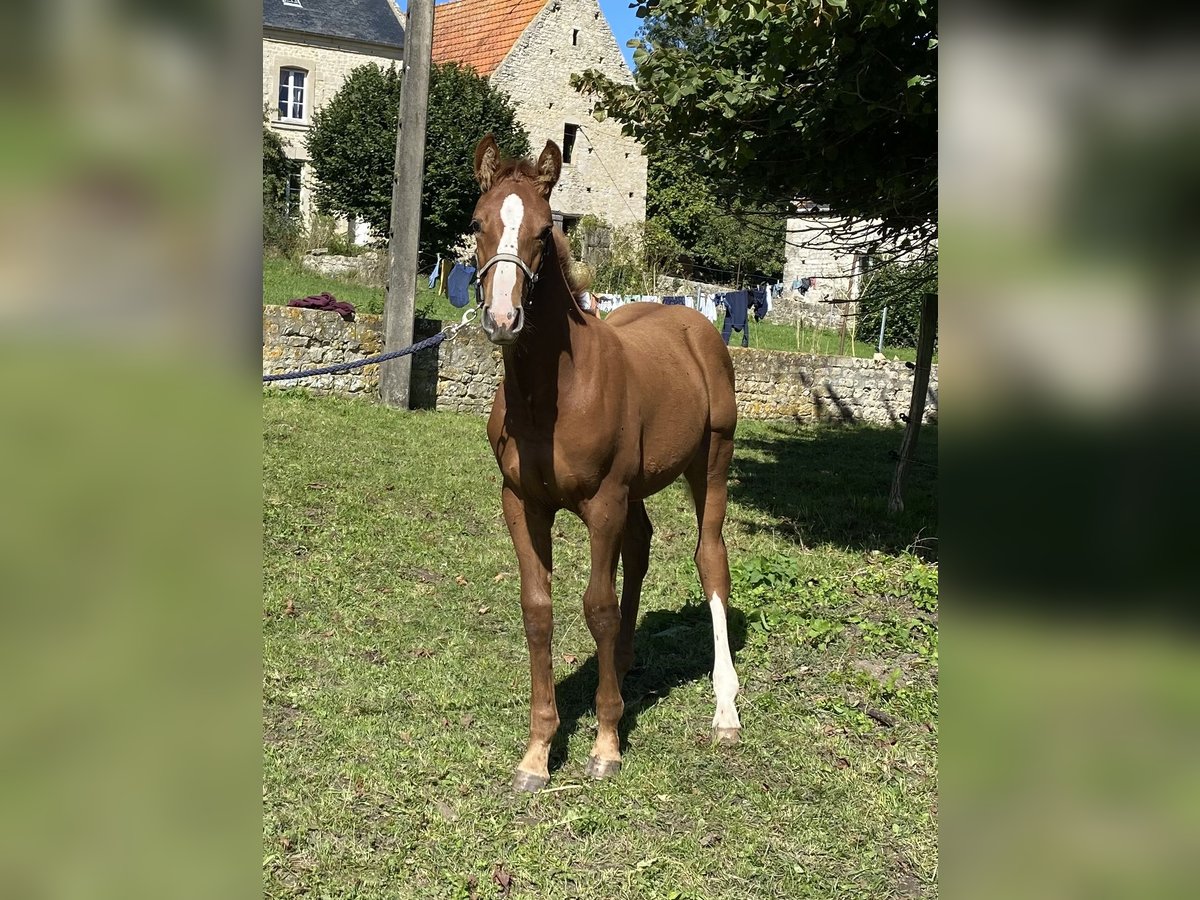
<point x="506" y="329"/>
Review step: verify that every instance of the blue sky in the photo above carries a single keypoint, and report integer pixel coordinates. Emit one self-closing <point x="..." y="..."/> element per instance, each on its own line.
<point x="620" y="18"/>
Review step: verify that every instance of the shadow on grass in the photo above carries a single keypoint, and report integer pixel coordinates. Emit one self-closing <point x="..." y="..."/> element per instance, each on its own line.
<point x="670" y="649"/>
<point x="829" y="485"/>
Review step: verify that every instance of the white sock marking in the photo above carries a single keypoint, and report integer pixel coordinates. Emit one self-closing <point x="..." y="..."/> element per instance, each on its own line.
<point x="725" y="680"/>
<point x="512" y="213"/>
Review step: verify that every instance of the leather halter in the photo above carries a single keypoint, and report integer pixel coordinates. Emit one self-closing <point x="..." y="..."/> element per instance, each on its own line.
<point x="531" y="276"/>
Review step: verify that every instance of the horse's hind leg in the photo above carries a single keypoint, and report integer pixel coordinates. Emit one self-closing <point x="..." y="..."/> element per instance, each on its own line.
<point x="708" y="478"/>
<point x="635" y="560"/>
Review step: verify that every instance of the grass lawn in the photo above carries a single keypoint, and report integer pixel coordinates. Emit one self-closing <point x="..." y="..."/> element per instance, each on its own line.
<point x="771" y="336"/>
<point x="395" y="691"/>
<point x="284" y="280"/>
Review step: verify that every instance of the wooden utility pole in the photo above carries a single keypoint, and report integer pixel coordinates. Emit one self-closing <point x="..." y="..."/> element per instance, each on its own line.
<point x="916" y="406"/>
<point x="407" y="178"/>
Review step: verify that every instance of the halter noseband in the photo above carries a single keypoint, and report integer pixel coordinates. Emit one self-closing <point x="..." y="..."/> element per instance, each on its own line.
<point x="531" y="276"/>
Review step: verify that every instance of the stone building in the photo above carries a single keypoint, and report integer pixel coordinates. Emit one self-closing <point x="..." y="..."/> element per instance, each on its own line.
<point x="825" y="262"/>
<point x="529" y="49"/>
<point x="309" y="47"/>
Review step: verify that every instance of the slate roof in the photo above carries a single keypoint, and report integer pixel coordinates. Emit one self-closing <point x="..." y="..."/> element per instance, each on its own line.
<point x="480" y="33"/>
<point x="370" y="21"/>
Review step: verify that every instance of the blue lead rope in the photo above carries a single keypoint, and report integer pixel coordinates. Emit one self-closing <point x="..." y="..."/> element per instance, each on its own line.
<point x="359" y="363"/>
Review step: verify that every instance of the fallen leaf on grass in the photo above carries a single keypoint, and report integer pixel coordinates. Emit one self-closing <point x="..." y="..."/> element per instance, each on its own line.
<point x="500" y="576"/>
<point x="289" y="609"/>
<point x="460" y="581"/>
<point x="317" y="485"/>
<point x="483" y="609"/>
<point x="422" y="652"/>
<point x="570" y="658"/>
<point x="503" y="878"/>
<point x="842" y="763"/>
<point x="466" y="720"/>
<point x="328" y="633"/>
<point x="709" y="839"/>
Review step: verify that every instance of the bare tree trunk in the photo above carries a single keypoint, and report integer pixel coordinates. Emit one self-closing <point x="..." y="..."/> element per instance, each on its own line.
<point x="916" y="406"/>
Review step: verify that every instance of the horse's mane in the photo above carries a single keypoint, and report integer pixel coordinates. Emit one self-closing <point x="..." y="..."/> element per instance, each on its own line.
<point x="578" y="277"/>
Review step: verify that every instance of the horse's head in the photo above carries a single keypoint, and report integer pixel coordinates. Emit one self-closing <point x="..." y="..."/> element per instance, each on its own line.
<point x="513" y="226"/>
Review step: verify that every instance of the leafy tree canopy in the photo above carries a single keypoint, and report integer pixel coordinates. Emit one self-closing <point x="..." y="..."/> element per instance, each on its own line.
<point x="724" y="238"/>
<point x="352" y="146"/>
<point x="275" y="169"/>
<point x="829" y="100"/>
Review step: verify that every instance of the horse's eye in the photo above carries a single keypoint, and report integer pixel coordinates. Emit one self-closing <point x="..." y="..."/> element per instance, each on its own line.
<point x="476" y="226"/>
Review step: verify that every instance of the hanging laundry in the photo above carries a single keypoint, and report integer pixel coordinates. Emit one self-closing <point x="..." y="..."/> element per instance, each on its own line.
<point x="758" y="301"/>
<point x="458" y="285"/>
<point x="736" y="305"/>
<point x="673" y="301"/>
<point x="437" y="270"/>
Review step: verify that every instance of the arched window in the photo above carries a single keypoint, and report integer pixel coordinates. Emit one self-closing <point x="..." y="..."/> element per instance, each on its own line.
<point x="292" y="95"/>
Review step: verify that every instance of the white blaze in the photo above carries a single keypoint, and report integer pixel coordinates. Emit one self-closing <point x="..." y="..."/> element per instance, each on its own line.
<point x="512" y="212"/>
<point x="725" y="680"/>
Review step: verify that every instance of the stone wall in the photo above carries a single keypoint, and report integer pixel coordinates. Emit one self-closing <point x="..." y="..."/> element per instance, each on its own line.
<point x="772" y="384"/>
<point x="368" y="267"/>
<point x="464" y="373"/>
<point x="607" y="174"/>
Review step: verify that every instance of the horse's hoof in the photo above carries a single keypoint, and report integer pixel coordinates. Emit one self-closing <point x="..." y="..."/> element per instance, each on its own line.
<point x="726" y="737"/>
<point x="602" y="768"/>
<point x="528" y="783"/>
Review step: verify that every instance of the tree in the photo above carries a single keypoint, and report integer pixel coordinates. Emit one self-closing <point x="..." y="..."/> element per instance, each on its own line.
<point x="725" y="238"/>
<point x="274" y="170"/>
<point x="825" y="100"/>
<point x="280" y="232"/>
<point x="901" y="288"/>
<point x="352" y="147"/>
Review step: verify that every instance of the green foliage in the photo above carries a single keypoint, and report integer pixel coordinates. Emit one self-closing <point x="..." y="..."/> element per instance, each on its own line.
<point x="900" y="288"/>
<point x="726" y="238"/>
<point x="281" y="234"/>
<point x="638" y="254"/>
<point x="824" y="99"/>
<point x="352" y="146"/>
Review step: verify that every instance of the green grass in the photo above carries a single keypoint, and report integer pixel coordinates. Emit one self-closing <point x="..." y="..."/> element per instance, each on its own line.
<point x="285" y="280"/>
<point x="395" y="692"/>
<point x="771" y="336"/>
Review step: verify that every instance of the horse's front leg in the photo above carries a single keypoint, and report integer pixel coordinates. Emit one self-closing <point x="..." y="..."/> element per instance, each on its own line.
<point x="529" y="528"/>
<point x="605" y="519"/>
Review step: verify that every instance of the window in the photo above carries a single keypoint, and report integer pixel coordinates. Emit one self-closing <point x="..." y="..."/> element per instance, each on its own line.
<point x="291" y="94"/>
<point x="574" y="37"/>
<point x="569" y="132"/>
<point x="569" y="224"/>
<point x="291" y="192"/>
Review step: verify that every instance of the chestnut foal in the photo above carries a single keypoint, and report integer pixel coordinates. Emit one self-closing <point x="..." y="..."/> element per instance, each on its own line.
<point x="594" y="416"/>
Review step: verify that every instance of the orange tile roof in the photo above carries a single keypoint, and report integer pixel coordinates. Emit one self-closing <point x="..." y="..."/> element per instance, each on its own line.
<point x="480" y="33"/>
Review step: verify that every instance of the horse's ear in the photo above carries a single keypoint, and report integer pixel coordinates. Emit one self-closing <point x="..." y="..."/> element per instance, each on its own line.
<point x="549" y="167"/>
<point x="487" y="161"/>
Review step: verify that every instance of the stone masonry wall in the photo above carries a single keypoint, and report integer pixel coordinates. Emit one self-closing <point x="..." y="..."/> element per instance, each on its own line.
<point x="607" y="174"/>
<point x="464" y="373"/>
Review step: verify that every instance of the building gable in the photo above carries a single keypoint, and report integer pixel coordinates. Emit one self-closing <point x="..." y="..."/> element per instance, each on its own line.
<point x="480" y="33"/>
